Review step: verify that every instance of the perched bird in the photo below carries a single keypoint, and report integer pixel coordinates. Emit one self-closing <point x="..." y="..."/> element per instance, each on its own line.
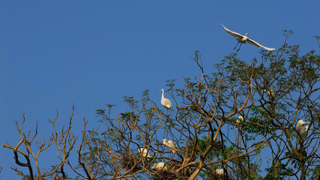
<point x="170" y="144"/>
<point x="159" y="166"/>
<point x="242" y="39"/>
<point x="220" y="172"/>
<point x="301" y="130"/>
<point x="144" y="152"/>
<point x="164" y="101"/>
<point x="239" y="120"/>
<point x="270" y="93"/>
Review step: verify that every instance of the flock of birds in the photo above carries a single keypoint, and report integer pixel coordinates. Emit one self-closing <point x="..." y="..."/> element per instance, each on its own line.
<point x="160" y="166"/>
<point x="301" y="129"/>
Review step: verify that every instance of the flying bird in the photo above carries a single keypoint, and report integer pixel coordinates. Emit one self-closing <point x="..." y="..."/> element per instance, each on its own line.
<point x="159" y="166"/>
<point x="302" y="131"/>
<point x="164" y="101"/>
<point x="242" y="39"/>
<point x="170" y="144"/>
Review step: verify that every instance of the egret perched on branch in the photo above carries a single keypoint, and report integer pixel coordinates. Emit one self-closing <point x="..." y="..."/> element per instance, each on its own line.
<point x="302" y="131"/>
<point x="239" y="120"/>
<point x="144" y="152"/>
<point x="242" y="39"/>
<point x="170" y="144"/>
<point x="164" y="101"/>
<point x="270" y="93"/>
<point x="159" y="166"/>
<point x="220" y="172"/>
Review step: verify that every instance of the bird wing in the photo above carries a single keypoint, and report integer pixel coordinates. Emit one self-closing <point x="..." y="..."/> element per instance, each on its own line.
<point x="251" y="41"/>
<point x="298" y="127"/>
<point x="234" y="34"/>
<point x="167" y="103"/>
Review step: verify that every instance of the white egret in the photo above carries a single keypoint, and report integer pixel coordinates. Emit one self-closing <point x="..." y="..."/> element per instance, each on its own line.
<point x="239" y="120"/>
<point x="170" y="144"/>
<point x="220" y="172"/>
<point x="242" y="39"/>
<point x="164" y="101"/>
<point x="270" y="93"/>
<point x="302" y="131"/>
<point x="144" y="152"/>
<point x="159" y="166"/>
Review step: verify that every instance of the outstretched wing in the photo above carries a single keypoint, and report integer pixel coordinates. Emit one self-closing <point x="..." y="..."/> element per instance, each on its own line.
<point x="234" y="34"/>
<point x="251" y="41"/>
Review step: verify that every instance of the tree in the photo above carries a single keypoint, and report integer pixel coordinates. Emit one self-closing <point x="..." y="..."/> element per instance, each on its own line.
<point x="236" y="123"/>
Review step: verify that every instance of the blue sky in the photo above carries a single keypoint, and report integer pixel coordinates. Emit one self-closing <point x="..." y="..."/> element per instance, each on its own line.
<point x="90" y="53"/>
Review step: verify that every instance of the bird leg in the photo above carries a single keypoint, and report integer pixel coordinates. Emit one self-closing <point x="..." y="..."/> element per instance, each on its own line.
<point x="236" y="45"/>
<point x="239" y="47"/>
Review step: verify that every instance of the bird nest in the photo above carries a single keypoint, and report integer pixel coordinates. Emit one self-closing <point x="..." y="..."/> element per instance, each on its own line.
<point x="131" y="163"/>
<point x="183" y="173"/>
<point x="215" y="176"/>
<point x="172" y="173"/>
<point x="218" y="145"/>
<point x="164" y="175"/>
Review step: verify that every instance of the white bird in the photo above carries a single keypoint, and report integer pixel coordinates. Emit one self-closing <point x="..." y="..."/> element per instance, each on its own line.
<point x="220" y="172"/>
<point x="144" y="152"/>
<point x="242" y="39"/>
<point x="170" y="144"/>
<point x="302" y="131"/>
<point x="239" y="120"/>
<point x="164" y="101"/>
<point x="159" y="166"/>
<point x="270" y="93"/>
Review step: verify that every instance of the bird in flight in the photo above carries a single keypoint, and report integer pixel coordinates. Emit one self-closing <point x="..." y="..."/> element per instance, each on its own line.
<point x="242" y="39"/>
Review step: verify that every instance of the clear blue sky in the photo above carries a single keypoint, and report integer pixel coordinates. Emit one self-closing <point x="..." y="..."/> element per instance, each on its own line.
<point x="56" y="53"/>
